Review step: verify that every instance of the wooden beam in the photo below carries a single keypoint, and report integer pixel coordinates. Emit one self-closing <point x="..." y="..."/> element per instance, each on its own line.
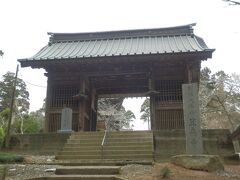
<point x="122" y="95"/>
<point x="81" y="105"/>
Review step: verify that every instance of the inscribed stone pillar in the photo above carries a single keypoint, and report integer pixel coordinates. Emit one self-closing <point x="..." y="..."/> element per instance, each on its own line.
<point x="194" y="143"/>
<point x="66" y="120"/>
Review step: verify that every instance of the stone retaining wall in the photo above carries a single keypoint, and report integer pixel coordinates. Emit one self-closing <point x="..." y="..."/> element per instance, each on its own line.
<point x="168" y="143"/>
<point x="42" y="143"/>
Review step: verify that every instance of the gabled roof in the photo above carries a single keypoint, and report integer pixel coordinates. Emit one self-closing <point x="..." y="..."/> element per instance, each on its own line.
<point x="180" y="39"/>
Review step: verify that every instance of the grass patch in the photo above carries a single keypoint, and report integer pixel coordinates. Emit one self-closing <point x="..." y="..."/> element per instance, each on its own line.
<point x="8" y="157"/>
<point x="165" y="172"/>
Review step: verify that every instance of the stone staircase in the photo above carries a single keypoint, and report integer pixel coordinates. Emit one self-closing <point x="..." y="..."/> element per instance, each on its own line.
<point x="119" y="145"/>
<point x="129" y="145"/>
<point x="82" y="146"/>
<point x="84" y="173"/>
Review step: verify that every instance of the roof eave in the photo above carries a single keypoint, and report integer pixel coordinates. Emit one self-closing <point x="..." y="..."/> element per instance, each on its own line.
<point x="202" y="55"/>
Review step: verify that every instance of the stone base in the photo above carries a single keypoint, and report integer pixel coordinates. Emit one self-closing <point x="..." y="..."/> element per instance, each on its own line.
<point x="65" y="131"/>
<point x="198" y="162"/>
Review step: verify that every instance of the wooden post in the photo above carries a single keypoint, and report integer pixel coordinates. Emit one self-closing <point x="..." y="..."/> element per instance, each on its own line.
<point x="189" y="73"/>
<point x="81" y="124"/>
<point x="11" y="110"/>
<point x="92" y="110"/>
<point x="48" y="100"/>
<point x="152" y="103"/>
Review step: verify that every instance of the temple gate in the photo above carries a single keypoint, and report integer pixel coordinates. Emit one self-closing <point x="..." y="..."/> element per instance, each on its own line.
<point x="82" y="67"/>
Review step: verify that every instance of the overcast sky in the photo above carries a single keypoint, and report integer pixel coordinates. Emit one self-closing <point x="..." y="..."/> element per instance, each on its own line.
<point x="24" y="26"/>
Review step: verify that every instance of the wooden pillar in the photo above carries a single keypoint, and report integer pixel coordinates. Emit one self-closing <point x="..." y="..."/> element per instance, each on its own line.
<point x="48" y="100"/>
<point x="93" y="110"/>
<point x="192" y="72"/>
<point x="188" y="73"/>
<point x="152" y="113"/>
<point x="151" y="87"/>
<point x="84" y="105"/>
<point x="82" y="91"/>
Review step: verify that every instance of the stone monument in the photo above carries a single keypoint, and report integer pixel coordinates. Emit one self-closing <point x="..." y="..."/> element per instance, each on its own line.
<point x="194" y="157"/>
<point x="66" y="120"/>
<point x="193" y="132"/>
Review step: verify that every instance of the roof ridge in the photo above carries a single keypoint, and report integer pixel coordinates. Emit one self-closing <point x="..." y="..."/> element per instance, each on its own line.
<point x="167" y="31"/>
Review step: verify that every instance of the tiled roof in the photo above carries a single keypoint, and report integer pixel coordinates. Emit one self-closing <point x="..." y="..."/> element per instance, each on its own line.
<point x="121" y="43"/>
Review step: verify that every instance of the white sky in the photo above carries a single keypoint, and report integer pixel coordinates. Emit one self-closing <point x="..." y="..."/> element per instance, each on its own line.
<point x="24" y="26"/>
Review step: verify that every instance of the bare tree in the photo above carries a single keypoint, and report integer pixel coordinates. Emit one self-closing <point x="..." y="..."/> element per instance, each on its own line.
<point x="232" y="2"/>
<point x="114" y="114"/>
<point x="219" y="99"/>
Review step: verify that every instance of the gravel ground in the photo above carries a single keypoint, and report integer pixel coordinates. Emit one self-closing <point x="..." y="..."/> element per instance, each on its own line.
<point x="19" y="171"/>
<point x="133" y="171"/>
<point x="140" y="172"/>
<point x="34" y="167"/>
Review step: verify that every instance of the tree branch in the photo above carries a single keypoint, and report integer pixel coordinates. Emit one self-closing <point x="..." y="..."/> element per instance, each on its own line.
<point x="232" y="2"/>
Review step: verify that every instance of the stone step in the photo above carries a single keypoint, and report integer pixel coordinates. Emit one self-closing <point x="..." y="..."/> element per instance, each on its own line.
<point x="148" y="156"/>
<point x="104" y="162"/>
<point x="84" y="142"/>
<point x="129" y="144"/>
<point x="84" y="170"/>
<point x="79" y="177"/>
<point x="110" y="135"/>
<point x="105" y="157"/>
<point x="86" y="138"/>
<point x="96" y="141"/>
<point x="91" y="143"/>
<point x="93" y="135"/>
<point x="111" y="143"/>
<point x="126" y="152"/>
<point x="78" y="145"/>
<point x="129" y="135"/>
<point x="130" y="132"/>
<point x="117" y="132"/>
<point x="89" y="132"/>
<point x="107" y="152"/>
<point x="108" y="147"/>
<point x="71" y="157"/>
<point x="143" y="139"/>
<point x="89" y="152"/>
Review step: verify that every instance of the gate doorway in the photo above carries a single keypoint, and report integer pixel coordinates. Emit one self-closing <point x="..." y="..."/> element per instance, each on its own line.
<point x="123" y="114"/>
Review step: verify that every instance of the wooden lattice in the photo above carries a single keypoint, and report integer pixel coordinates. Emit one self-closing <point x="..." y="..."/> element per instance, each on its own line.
<point x="63" y="96"/>
<point x="169" y="90"/>
<point x="168" y="105"/>
<point x="54" y="122"/>
<point x="169" y="119"/>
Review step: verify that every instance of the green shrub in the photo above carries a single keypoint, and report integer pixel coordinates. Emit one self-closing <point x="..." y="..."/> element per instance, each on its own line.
<point x="2" y="136"/>
<point x="8" y="157"/>
<point x="165" y="172"/>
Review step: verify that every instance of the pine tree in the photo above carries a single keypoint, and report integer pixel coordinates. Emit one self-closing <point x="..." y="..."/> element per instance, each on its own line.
<point x="145" y="110"/>
<point x="21" y="95"/>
